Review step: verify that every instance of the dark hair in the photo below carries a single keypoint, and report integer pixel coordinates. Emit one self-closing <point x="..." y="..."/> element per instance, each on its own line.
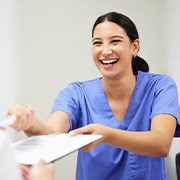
<point x="129" y="27"/>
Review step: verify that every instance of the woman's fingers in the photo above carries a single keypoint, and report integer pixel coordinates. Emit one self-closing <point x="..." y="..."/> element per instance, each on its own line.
<point x="84" y="130"/>
<point x="95" y="129"/>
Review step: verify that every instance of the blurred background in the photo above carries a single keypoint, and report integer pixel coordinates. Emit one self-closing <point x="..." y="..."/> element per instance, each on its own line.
<point x="46" y="44"/>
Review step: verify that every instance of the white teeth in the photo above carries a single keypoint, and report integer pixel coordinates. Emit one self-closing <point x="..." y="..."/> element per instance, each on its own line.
<point x="109" y="61"/>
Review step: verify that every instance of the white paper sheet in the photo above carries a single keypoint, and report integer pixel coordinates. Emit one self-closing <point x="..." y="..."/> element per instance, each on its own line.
<point x="9" y="168"/>
<point x="49" y="147"/>
<point x="7" y="122"/>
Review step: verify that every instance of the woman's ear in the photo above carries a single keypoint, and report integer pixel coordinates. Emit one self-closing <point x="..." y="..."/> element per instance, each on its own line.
<point x="135" y="47"/>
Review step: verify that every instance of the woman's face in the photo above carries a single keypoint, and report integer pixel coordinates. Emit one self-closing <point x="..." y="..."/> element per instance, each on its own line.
<point x="112" y="50"/>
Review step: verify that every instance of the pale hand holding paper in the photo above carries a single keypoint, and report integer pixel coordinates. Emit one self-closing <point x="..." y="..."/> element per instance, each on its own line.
<point x="7" y="122"/>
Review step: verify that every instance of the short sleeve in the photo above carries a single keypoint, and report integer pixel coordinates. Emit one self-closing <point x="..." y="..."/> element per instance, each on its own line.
<point x="166" y="98"/>
<point x="67" y="101"/>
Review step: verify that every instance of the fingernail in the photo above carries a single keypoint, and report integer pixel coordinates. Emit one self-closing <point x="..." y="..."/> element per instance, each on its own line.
<point x="72" y="133"/>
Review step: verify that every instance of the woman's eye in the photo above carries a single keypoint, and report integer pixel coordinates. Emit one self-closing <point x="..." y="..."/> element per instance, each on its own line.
<point x="97" y="42"/>
<point x="115" y="41"/>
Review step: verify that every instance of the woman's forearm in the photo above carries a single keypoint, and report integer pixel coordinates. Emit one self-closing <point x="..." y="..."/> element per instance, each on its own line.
<point x="148" y="143"/>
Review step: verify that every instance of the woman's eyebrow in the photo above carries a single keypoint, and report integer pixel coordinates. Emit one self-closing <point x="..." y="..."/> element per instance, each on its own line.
<point x="115" y="36"/>
<point x="95" y="39"/>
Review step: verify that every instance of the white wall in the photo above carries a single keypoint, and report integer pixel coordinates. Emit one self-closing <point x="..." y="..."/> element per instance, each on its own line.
<point x="54" y="41"/>
<point x="9" y="80"/>
<point x="50" y="45"/>
<point x="172" y="39"/>
<point x="7" y="63"/>
<point x="172" y="47"/>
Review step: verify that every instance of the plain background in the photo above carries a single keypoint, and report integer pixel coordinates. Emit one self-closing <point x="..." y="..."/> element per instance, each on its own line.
<point x="46" y="44"/>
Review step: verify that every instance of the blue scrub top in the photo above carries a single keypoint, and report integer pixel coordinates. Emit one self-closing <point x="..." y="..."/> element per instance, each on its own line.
<point x="85" y="103"/>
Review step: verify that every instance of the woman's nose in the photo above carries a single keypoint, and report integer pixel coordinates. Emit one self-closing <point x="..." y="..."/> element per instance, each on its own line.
<point x="106" y="50"/>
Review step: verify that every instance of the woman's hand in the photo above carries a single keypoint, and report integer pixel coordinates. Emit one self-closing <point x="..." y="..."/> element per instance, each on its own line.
<point x="95" y="129"/>
<point x="25" y="116"/>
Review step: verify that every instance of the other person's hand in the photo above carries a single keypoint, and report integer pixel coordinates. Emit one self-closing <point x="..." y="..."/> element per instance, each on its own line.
<point x="25" y="116"/>
<point x="41" y="170"/>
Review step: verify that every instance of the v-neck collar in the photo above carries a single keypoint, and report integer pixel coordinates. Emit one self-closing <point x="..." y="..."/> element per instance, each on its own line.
<point x="131" y="110"/>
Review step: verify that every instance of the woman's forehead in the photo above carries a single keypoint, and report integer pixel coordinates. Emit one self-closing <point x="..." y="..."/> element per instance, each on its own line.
<point x="108" y="28"/>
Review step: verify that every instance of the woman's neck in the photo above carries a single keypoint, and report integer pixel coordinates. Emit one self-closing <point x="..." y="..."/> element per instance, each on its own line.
<point x="119" y="88"/>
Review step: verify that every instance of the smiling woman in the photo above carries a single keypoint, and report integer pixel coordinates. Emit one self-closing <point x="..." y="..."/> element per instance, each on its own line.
<point x="118" y="30"/>
<point x="135" y="111"/>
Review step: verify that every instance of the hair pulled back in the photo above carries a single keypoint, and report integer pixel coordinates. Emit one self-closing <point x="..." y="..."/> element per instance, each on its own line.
<point x="138" y="63"/>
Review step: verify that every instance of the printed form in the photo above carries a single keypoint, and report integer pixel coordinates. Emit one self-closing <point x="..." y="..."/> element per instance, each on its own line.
<point x="49" y="147"/>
